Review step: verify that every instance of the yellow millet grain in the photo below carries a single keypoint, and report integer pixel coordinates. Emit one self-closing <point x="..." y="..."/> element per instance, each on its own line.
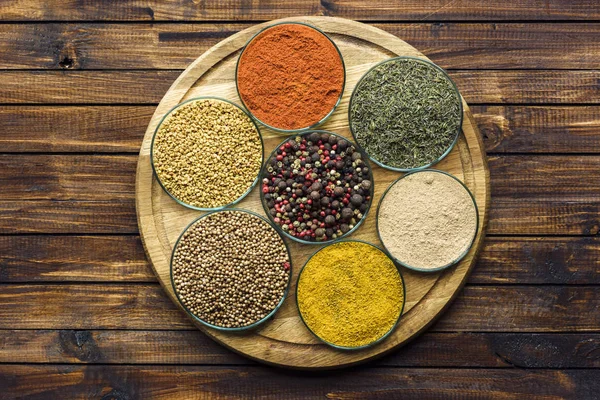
<point x="350" y="294"/>
<point x="207" y="153"/>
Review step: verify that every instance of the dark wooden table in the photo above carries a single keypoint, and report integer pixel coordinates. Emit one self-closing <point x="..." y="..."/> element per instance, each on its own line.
<point x="81" y="314"/>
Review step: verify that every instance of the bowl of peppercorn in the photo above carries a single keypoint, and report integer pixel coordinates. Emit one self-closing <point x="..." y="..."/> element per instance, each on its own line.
<point x="317" y="187"/>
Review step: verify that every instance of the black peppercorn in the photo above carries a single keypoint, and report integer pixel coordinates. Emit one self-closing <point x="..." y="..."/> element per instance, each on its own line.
<point x="329" y="232"/>
<point x="315" y="156"/>
<point x="317" y="186"/>
<point x="315" y="195"/>
<point x="281" y="185"/>
<point x="325" y="137"/>
<point x="320" y="232"/>
<point x="339" y="165"/>
<point x="329" y="220"/>
<point x="356" y="200"/>
<point x="314" y="137"/>
<point x="347" y="213"/>
<point x="344" y="228"/>
<point x="342" y="144"/>
<point x="366" y="184"/>
<point x="339" y="191"/>
<point x="325" y="201"/>
<point x="335" y="205"/>
<point x="333" y="139"/>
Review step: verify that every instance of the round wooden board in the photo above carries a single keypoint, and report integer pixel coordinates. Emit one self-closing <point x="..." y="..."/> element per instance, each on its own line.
<point x="284" y="340"/>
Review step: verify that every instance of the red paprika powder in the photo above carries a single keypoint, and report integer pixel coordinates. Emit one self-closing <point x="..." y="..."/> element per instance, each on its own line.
<point x="290" y="76"/>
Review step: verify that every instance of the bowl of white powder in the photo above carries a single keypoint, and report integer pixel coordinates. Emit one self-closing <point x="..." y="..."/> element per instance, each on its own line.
<point x="427" y="220"/>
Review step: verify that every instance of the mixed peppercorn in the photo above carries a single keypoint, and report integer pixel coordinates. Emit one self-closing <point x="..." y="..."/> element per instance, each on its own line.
<point x="317" y="186"/>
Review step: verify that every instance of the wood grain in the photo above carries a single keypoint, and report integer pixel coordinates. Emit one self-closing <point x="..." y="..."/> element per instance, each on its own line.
<point x="560" y="129"/>
<point x="533" y="194"/>
<point x="145" y="306"/>
<point x="73" y="129"/>
<point x="538" y="260"/>
<point x="148" y="87"/>
<point x="503" y="260"/>
<point x="157" y="10"/>
<point x="174" y="46"/>
<point x="485" y="350"/>
<point x="212" y="10"/>
<point x="41" y="258"/>
<point x="166" y="382"/>
<point x="49" y="216"/>
<point x="107" y="129"/>
<point x="112" y="177"/>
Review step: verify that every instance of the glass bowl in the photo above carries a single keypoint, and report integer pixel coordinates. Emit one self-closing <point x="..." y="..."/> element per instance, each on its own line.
<point x="297" y="130"/>
<point x="262" y="145"/>
<point x="217" y="327"/>
<point x="365" y="159"/>
<point x="457" y="259"/>
<point x="368" y="345"/>
<point x="458" y="131"/>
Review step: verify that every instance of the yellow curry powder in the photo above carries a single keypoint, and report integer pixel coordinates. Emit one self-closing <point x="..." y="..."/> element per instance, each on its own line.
<point x="350" y="294"/>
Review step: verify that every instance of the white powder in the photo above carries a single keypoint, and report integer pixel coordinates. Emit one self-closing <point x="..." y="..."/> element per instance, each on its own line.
<point x="427" y="220"/>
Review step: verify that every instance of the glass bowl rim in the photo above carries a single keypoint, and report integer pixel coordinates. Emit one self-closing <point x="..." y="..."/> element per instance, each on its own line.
<point x="217" y="327"/>
<point x="297" y="130"/>
<point x="181" y="202"/>
<point x="393" y="327"/>
<point x="460" y="105"/>
<point x="351" y="231"/>
<point x="458" y="258"/>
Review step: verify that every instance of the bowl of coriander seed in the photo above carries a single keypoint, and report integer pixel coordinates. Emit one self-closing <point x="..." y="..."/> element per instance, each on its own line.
<point x="231" y="270"/>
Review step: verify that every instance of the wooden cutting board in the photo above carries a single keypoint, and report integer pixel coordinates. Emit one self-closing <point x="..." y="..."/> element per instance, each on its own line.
<point x="284" y="340"/>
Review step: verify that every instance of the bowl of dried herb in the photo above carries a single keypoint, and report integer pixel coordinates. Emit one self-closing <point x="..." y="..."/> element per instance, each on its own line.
<point x="406" y="113"/>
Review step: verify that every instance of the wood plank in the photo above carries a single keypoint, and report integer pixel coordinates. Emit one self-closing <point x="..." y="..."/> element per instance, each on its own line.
<point x="73" y="129"/>
<point x="85" y="87"/>
<point x="47" y="216"/>
<point x="176" y="10"/>
<point x="439" y="10"/>
<point x="101" y="258"/>
<point x="505" y="129"/>
<point x="544" y="217"/>
<point x="166" y="382"/>
<point x="112" y="177"/>
<point x="146" y="306"/>
<point x="41" y="258"/>
<point x="175" y="46"/>
<point x="164" y="10"/>
<point x="538" y="260"/>
<point x="560" y="129"/>
<point x="485" y="350"/>
<point x="72" y="177"/>
<point x="503" y="260"/>
<point x="534" y="195"/>
<point x="148" y="87"/>
<point x="545" y="177"/>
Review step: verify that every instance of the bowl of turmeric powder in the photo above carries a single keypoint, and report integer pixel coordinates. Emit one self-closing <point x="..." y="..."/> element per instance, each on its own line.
<point x="290" y="76"/>
<point x="350" y="295"/>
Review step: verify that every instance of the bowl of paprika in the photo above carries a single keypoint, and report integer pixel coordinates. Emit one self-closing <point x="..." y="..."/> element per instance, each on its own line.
<point x="290" y="77"/>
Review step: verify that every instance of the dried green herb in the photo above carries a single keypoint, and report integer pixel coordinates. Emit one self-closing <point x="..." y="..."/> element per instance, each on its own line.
<point x="405" y="113"/>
